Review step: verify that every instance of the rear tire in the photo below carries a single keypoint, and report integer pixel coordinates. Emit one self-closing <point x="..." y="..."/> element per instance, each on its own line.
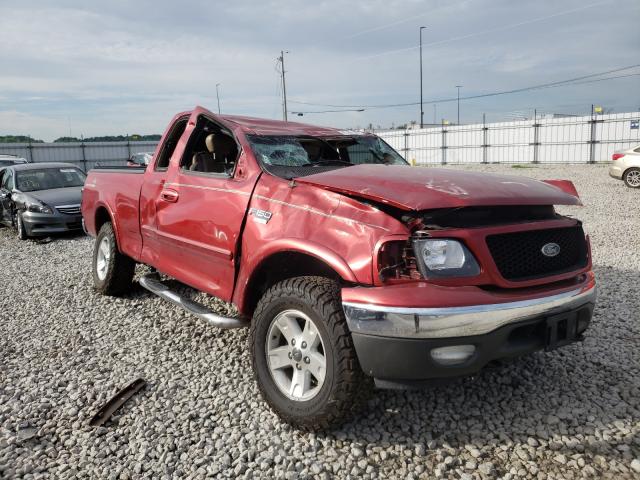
<point x="112" y="271"/>
<point x="317" y="382"/>
<point x="632" y="178"/>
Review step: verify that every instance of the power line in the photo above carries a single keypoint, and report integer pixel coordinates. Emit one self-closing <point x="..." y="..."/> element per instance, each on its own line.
<point x="328" y="111"/>
<point x="483" y="32"/>
<point x="603" y="79"/>
<point x="397" y="22"/>
<point x="570" y="81"/>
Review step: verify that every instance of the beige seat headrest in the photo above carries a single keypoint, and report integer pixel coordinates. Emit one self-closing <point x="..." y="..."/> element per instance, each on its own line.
<point x="209" y="142"/>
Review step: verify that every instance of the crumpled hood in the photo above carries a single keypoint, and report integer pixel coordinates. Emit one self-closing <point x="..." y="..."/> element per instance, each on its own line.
<point x="422" y="188"/>
<point x="58" y="196"/>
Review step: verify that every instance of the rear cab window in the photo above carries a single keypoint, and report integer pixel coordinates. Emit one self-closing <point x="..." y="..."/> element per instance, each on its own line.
<point x="169" y="145"/>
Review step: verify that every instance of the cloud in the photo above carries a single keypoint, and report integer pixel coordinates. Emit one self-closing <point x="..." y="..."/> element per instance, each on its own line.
<point x="21" y="123"/>
<point x="118" y="67"/>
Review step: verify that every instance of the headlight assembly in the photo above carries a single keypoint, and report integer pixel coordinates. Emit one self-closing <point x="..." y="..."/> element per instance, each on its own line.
<point x="38" y="208"/>
<point x="444" y="258"/>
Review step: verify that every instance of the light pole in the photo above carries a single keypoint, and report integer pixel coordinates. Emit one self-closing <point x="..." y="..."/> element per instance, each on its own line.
<point x="218" y="96"/>
<point x="284" y="86"/>
<point x="421" y="104"/>
<point x="458" y="87"/>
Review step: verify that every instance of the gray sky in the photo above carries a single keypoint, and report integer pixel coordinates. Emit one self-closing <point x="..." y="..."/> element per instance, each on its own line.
<point x="120" y="67"/>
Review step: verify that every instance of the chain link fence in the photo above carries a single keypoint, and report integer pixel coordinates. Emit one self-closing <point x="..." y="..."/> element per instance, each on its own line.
<point x="586" y="139"/>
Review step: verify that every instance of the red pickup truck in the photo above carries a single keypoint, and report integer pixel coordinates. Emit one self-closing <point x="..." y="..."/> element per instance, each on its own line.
<point x="346" y="263"/>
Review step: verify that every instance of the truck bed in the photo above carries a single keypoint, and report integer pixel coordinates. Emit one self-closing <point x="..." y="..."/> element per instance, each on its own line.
<point x="108" y="188"/>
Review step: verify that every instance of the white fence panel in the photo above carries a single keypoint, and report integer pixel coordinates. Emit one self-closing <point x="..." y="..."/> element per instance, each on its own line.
<point x="85" y="155"/>
<point x="545" y="140"/>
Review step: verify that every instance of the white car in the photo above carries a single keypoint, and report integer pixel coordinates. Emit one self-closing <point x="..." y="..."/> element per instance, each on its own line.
<point x="139" y="159"/>
<point x="6" y="160"/>
<point x="625" y="166"/>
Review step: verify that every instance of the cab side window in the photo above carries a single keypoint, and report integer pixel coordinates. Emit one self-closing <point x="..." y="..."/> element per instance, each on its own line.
<point x="211" y="149"/>
<point x="170" y="143"/>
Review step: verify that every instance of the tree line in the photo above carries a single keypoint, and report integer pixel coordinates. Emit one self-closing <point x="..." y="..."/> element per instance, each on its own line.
<point x="106" y="138"/>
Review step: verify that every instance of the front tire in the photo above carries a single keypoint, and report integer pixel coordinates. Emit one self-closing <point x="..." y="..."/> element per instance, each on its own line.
<point x="112" y="271"/>
<point x="22" y="233"/>
<point x="632" y="178"/>
<point x="303" y="357"/>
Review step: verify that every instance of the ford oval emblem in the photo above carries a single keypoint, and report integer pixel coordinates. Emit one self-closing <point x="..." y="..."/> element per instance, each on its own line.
<point x="550" y="249"/>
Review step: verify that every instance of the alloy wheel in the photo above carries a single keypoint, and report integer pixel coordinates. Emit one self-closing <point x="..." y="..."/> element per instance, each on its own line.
<point x="633" y="178"/>
<point x="296" y="355"/>
<point x="102" y="258"/>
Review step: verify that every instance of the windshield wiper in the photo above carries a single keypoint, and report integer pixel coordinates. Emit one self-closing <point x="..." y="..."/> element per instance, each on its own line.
<point x="328" y="162"/>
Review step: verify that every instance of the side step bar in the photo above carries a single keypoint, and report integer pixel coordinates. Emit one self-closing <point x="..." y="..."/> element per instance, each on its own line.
<point x="152" y="283"/>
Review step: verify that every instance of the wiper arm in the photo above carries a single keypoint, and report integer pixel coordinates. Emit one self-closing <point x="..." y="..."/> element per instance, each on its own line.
<point x="327" y="162"/>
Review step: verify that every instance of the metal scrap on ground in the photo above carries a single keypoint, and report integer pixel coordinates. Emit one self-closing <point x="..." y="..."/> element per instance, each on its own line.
<point x="116" y="402"/>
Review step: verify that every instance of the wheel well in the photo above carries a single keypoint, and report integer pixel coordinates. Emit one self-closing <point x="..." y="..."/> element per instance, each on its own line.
<point x="281" y="266"/>
<point x="102" y="217"/>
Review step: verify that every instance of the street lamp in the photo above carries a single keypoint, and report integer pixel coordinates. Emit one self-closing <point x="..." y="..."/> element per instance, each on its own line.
<point x="218" y="97"/>
<point x="421" y="104"/>
<point x="458" y="87"/>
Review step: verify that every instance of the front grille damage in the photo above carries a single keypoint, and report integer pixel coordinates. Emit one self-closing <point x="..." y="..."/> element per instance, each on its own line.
<point x="518" y="256"/>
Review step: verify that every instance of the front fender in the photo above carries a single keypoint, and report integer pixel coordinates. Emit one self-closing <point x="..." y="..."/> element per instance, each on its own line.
<point x="252" y="261"/>
<point x="308" y="247"/>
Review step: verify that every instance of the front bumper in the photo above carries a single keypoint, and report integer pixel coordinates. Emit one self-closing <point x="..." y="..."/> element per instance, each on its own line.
<point x="396" y="344"/>
<point x="39" y="224"/>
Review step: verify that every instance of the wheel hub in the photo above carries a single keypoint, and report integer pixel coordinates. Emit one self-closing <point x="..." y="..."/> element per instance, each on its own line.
<point x="296" y="355"/>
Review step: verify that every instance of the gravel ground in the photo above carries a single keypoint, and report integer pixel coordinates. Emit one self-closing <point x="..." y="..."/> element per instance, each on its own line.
<point x="65" y="350"/>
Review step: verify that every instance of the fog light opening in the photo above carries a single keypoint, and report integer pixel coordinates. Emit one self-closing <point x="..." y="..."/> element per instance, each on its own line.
<point x="582" y="326"/>
<point x="453" y="355"/>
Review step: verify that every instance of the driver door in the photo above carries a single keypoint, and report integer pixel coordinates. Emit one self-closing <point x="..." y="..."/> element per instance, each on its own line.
<point x="199" y="218"/>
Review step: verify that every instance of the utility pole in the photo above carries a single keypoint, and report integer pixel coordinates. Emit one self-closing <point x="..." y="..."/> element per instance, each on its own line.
<point x="284" y="86"/>
<point x="421" y="103"/>
<point x="458" y="87"/>
<point x="218" y="97"/>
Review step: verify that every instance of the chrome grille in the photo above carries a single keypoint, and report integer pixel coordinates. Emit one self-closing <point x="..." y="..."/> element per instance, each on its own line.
<point x="69" y="209"/>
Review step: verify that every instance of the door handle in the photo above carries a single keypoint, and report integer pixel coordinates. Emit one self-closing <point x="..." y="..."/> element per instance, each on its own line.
<point x="169" y="195"/>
